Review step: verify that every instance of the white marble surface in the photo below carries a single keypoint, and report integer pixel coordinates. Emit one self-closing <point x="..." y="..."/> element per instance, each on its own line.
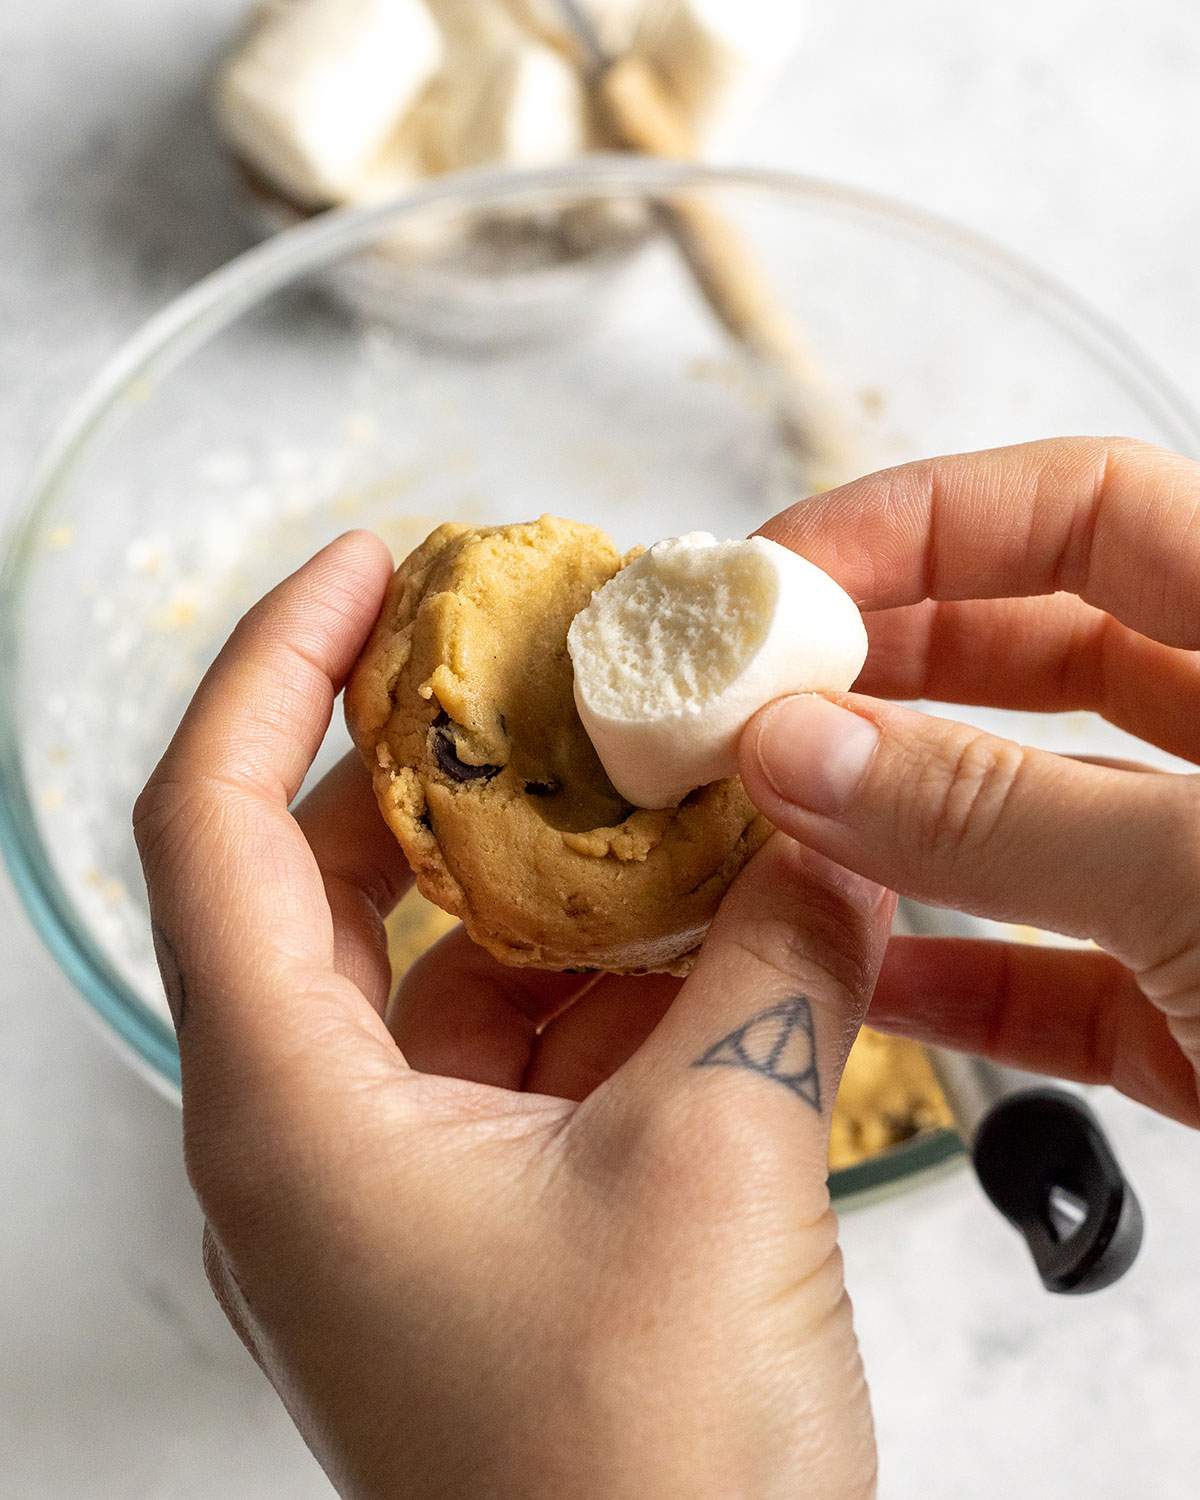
<point x="1069" y="130"/>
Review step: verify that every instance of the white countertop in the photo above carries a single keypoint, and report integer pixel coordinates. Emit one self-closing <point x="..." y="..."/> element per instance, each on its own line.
<point x="1076" y="142"/>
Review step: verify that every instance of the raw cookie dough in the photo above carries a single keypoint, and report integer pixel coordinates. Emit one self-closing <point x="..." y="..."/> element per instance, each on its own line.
<point x="462" y="708"/>
<point x="888" y="1094"/>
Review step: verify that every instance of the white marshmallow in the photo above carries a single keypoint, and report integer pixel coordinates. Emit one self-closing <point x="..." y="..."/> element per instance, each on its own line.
<point x="476" y="28"/>
<point x="614" y="22"/>
<point x="318" y="87"/>
<point x="524" y="107"/>
<point x="674" y="655"/>
<point x="720" y="58"/>
<point x="544" y="118"/>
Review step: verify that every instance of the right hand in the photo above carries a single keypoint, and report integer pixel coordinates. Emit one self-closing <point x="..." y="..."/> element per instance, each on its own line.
<point x="1053" y="576"/>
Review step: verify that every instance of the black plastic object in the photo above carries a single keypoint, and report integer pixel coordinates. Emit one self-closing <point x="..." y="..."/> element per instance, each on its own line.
<point x="1045" y="1163"/>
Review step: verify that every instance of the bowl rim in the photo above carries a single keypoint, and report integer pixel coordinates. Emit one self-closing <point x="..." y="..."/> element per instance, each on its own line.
<point x="218" y="299"/>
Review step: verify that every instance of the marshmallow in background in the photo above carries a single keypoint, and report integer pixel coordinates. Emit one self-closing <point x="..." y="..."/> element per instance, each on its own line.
<point x="522" y="107"/>
<point x="716" y="58"/>
<point x="319" y="86"/>
<point x="335" y="101"/>
<point x="719" y="58"/>
<point x="615" y="22"/>
<point x="543" y="115"/>
<point x="677" y="652"/>
<point x="475" y="28"/>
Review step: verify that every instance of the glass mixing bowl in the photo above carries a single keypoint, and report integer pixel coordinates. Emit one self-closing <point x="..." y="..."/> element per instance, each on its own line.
<point x="369" y="369"/>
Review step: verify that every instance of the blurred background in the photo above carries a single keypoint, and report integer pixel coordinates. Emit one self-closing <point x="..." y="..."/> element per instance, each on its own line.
<point x="145" y="145"/>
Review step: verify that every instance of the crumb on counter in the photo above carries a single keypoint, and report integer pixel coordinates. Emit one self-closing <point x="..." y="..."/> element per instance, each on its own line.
<point x="872" y="400"/>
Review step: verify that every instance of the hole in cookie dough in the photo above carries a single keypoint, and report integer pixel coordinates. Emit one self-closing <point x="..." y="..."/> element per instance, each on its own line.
<point x="580" y="799"/>
<point x="445" y="752"/>
<point x="554" y="764"/>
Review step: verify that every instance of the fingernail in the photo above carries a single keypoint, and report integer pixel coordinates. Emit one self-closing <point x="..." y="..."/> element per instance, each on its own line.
<point x="815" y="754"/>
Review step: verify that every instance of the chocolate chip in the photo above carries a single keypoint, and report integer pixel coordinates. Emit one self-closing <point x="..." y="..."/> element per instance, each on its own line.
<point x="543" y="788"/>
<point x="445" y="752"/>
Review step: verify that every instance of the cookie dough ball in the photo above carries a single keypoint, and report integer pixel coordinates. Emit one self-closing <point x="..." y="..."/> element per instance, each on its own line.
<point x="462" y="707"/>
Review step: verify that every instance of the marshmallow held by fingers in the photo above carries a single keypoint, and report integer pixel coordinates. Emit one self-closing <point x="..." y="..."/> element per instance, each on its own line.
<point x="676" y="653"/>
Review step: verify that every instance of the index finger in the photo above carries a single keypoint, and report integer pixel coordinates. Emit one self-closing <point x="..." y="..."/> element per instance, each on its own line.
<point x="1114" y="521"/>
<point x="1072" y="1013"/>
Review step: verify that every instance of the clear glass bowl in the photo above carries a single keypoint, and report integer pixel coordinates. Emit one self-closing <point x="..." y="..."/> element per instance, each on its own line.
<point x="274" y="405"/>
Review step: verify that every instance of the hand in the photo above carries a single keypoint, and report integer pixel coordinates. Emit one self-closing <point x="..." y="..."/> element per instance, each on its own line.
<point x="1058" y="575"/>
<point x="517" y="1234"/>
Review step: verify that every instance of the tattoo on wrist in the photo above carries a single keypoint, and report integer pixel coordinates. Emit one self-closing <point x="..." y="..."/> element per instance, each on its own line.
<point x="172" y="976"/>
<point x="778" y="1043"/>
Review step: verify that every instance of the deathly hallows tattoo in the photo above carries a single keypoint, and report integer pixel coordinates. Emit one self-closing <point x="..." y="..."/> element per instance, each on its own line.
<point x="778" y="1043"/>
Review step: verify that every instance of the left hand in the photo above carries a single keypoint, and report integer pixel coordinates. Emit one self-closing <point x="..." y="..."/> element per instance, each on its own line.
<point x="518" y="1234"/>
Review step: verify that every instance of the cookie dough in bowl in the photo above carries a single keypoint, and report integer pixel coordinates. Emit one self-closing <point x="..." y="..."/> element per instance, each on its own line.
<point x="462" y="707"/>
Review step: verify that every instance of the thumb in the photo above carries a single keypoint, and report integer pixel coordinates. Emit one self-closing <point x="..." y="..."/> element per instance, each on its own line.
<point x="749" y="1057"/>
<point x="948" y="814"/>
<point x="712" y="1140"/>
